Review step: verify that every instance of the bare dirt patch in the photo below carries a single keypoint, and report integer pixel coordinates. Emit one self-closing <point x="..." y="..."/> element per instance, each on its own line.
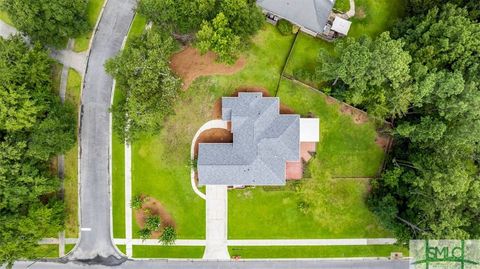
<point x="189" y="64"/>
<point x="357" y="115"/>
<point x="155" y="208"/>
<point x="217" y="107"/>
<point x="330" y="100"/>
<point x="360" y="13"/>
<point x="382" y="141"/>
<point x="215" y="135"/>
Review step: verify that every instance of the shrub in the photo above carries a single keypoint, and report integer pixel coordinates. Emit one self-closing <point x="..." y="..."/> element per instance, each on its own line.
<point x="168" y="236"/>
<point x="137" y="202"/>
<point x="152" y="223"/>
<point x="144" y="233"/>
<point x="285" y="27"/>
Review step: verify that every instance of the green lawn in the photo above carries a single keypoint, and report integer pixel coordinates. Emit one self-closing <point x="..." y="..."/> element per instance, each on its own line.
<point x="118" y="184"/>
<point x="46" y="251"/>
<point x="314" y="251"/>
<point x="167" y="252"/>
<point x="273" y="213"/>
<point x="375" y="16"/>
<point x="122" y="248"/>
<point x="265" y="60"/>
<point x="138" y="26"/>
<point x="165" y="176"/>
<point x="4" y="16"/>
<point x="346" y="149"/>
<point x="93" y="11"/>
<point x="68" y="248"/>
<point x="70" y="182"/>
<point x="304" y="58"/>
<point x="342" y="5"/>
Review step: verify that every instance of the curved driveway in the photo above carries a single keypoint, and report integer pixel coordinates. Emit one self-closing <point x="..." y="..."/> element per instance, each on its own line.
<point x="95" y="244"/>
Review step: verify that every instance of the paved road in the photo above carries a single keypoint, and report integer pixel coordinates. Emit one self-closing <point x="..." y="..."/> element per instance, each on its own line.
<point x="257" y="264"/>
<point x="95" y="240"/>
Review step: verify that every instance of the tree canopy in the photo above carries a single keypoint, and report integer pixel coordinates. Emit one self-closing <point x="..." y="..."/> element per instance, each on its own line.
<point x="34" y="127"/>
<point x="182" y="16"/>
<point x="219" y="38"/>
<point x="432" y="185"/>
<point x="50" y="22"/>
<point x="423" y="6"/>
<point x="376" y="73"/>
<point x="150" y="89"/>
<point x="221" y="26"/>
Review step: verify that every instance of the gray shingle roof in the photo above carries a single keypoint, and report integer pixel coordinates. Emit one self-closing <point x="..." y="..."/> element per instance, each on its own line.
<point x="263" y="141"/>
<point x="310" y="14"/>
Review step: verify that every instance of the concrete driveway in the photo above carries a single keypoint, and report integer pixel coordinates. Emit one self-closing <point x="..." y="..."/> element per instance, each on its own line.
<point x="217" y="216"/>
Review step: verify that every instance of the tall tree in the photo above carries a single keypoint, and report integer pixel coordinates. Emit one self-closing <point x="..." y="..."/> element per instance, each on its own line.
<point x="432" y="186"/>
<point x="143" y="74"/>
<point x="244" y="18"/>
<point x="34" y="127"/>
<point x="376" y="73"/>
<point x="51" y="22"/>
<point x="220" y="26"/>
<point x="183" y="16"/>
<point x="219" y="38"/>
<point x="423" y="6"/>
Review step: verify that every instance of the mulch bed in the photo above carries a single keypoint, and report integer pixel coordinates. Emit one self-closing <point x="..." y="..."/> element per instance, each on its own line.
<point x="189" y="64"/>
<point x="156" y="208"/>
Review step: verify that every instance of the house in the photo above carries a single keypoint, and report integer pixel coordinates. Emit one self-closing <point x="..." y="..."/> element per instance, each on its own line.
<point x="264" y="143"/>
<point x="312" y="16"/>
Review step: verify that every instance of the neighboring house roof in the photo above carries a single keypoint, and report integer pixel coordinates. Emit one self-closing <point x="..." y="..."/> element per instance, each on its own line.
<point x="263" y="141"/>
<point x="310" y="14"/>
<point x="340" y="25"/>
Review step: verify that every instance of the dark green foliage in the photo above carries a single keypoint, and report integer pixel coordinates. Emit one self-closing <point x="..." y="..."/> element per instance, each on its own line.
<point x="168" y="236"/>
<point x="143" y="73"/>
<point x="423" y="6"/>
<point x="144" y="233"/>
<point x="223" y="26"/>
<point x="219" y="38"/>
<point x="375" y="71"/>
<point x="183" y="16"/>
<point x="51" y="22"/>
<point x="137" y="202"/>
<point x="235" y="22"/>
<point x="34" y="127"/>
<point x="244" y="18"/>
<point x="431" y="188"/>
<point x="284" y="27"/>
<point x="152" y="222"/>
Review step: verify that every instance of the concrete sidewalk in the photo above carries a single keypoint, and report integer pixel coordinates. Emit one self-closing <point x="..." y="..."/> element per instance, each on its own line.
<point x="248" y="242"/>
